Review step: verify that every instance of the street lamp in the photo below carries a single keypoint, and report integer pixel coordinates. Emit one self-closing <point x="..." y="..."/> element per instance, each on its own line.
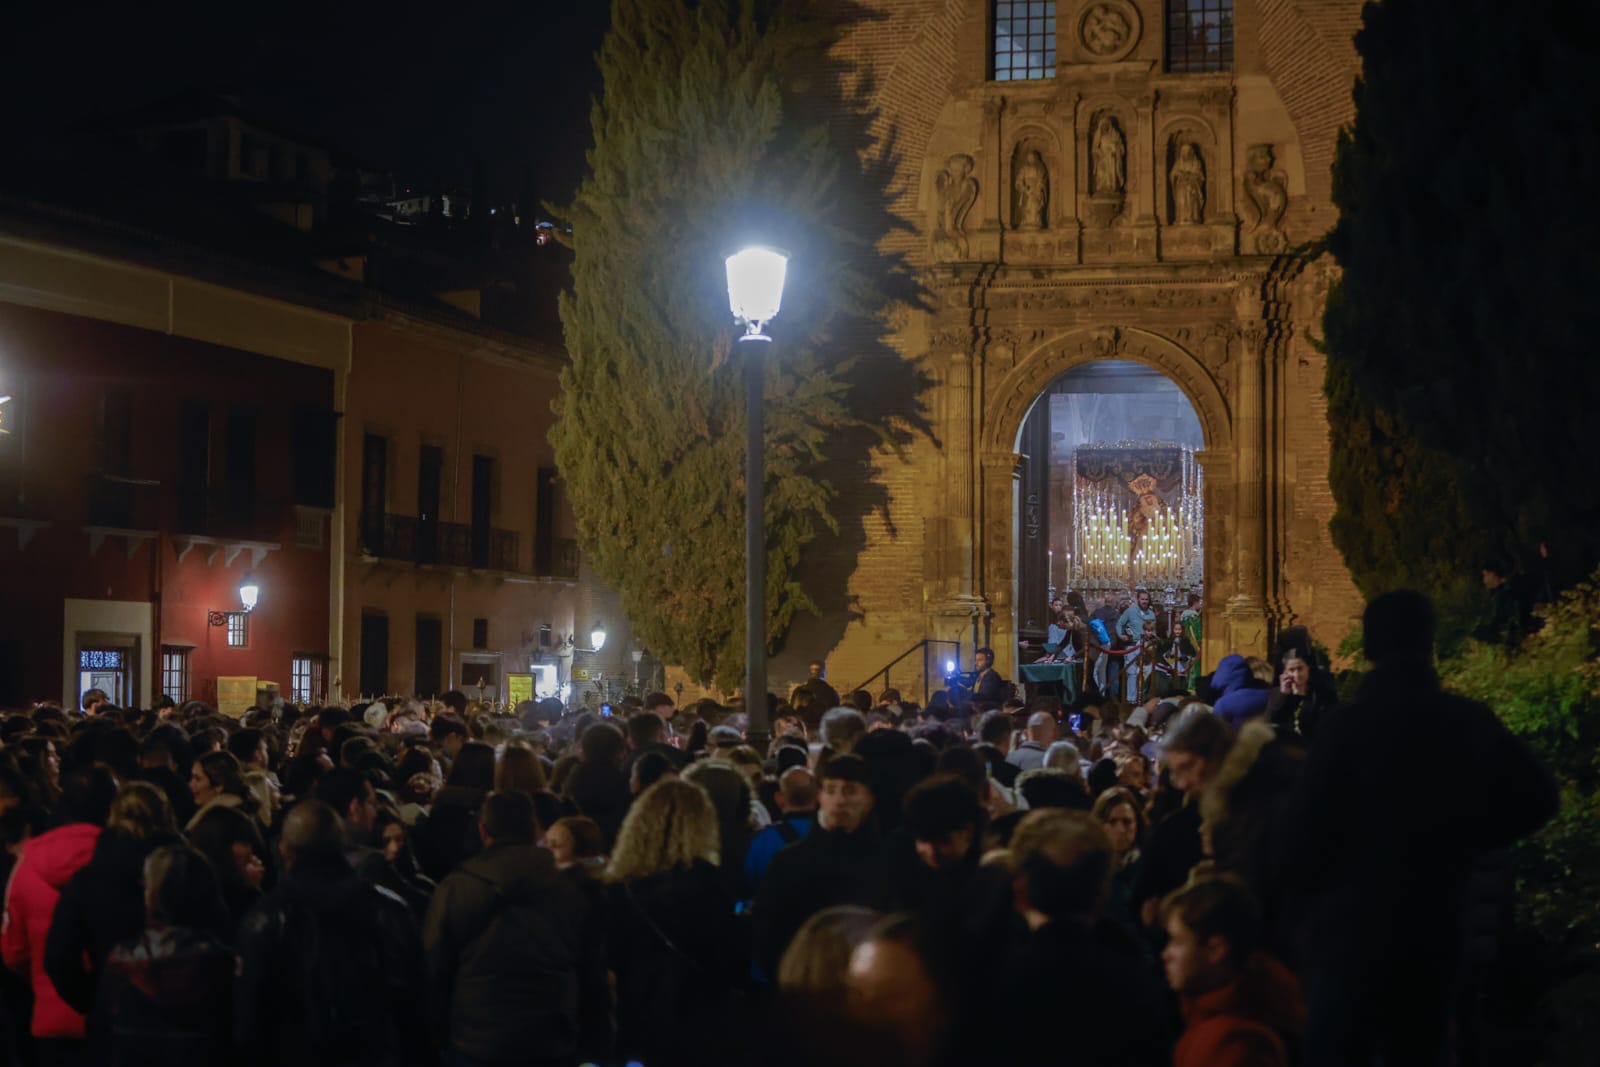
<point x="249" y="593"/>
<point x="755" y="292"/>
<point x="597" y="637"/>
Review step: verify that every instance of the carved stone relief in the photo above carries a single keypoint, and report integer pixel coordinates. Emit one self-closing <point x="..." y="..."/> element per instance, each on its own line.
<point x="1030" y="190"/>
<point x="1108" y="30"/>
<point x="1059" y="298"/>
<point x="957" y="191"/>
<point x="1267" y="189"/>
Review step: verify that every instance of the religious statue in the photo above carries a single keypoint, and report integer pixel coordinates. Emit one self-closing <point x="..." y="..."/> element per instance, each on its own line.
<point x="1110" y="158"/>
<point x="1268" y="191"/>
<point x="958" y="191"/>
<point x="1141" y="517"/>
<point x="1031" y="186"/>
<point x="1188" y="180"/>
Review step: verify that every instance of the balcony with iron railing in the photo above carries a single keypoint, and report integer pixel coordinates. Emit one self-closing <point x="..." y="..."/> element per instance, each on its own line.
<point x="454" y="544"/>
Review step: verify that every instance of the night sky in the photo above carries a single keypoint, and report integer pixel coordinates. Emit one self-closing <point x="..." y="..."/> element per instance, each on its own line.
<point x="423" y="89"/>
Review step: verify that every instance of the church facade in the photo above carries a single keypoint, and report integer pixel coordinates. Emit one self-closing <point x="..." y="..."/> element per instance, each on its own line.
<point x="1100" y="180"/>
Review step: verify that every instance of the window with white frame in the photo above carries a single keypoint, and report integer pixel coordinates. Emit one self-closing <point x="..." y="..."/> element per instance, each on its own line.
<point x="175" y="673"/>
<point x="238" y="630"/>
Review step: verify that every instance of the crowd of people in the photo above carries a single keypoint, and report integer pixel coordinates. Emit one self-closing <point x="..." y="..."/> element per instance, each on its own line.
<point x="1247" y="874"/>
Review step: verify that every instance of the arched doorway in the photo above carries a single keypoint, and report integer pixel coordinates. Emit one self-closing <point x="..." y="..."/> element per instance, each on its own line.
<point x="1110" y="511"/>
<point x="1142" y="359"/>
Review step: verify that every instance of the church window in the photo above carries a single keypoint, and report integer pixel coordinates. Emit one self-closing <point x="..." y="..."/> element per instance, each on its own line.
<point x="1199" y="36"/>
<point x="1024" y="40"/>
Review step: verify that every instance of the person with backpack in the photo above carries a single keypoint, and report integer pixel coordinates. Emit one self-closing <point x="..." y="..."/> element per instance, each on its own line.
<point x="797" y="800"/>
<point x="330" y="966"/>
<point x="515" y="957"/>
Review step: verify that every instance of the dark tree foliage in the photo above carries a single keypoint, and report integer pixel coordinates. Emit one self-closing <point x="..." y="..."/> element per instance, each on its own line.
<point x="719" y="124"/>
<point x="1462" y="375"/>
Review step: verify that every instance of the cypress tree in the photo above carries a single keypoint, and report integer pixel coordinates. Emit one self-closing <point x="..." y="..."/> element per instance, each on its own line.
<point x="702" y="144"/>
<point x="1460" y="335"/>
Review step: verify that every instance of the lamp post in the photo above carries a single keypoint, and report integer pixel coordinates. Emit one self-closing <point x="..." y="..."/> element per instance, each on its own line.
<point x="755" y="290"/>
<point x="249" y="593"/>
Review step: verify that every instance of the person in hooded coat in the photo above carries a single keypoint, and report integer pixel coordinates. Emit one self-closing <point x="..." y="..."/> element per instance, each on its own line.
<point x="166" y="995"/>
<point x="1239" y="695"/>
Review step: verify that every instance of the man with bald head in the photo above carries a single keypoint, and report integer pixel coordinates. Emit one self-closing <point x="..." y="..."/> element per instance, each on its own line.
<point x="1041" y="734"/>
<point x="330" y="966"/>
<point x="797" y="800"/>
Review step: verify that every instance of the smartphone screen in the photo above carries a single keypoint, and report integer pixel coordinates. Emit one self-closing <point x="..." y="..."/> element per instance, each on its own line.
<point x="605" y="710"/>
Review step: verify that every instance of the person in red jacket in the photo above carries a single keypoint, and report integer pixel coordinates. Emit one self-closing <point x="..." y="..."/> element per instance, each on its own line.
<point x="1241" y="1007"/>
<point x="48" y="862"/>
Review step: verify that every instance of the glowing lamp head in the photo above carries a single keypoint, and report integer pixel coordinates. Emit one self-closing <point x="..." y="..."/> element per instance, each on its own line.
<point x="949" y="666"/>
<point x="249" y="593"/>
<point x="597" y="636"/>
<point x="755" y="286"/>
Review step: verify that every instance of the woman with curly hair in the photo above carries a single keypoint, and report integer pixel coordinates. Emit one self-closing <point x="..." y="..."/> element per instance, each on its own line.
<point x="673" y="941"/>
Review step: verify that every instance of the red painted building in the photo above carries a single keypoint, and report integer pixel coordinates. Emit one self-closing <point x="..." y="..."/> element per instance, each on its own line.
<point x="166" y="437"/>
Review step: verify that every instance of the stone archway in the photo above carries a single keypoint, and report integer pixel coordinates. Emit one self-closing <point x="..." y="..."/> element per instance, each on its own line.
<point x="1011" y="400"/>
<point x="1021" y="387"/>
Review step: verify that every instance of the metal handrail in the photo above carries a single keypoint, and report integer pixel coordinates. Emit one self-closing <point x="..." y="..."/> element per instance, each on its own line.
<point x="921" y="646"/>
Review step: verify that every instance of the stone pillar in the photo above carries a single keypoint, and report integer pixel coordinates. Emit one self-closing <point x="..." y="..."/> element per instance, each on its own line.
<point x="958" y="466"/>
<point x="993" y="184"/>
<point x="1246" y="612"/>
<point x="1217" y="494"/>
<point x="998" y="593"/>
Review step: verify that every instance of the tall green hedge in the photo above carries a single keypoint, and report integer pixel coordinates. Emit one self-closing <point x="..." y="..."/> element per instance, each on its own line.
<point x="1461" y="337"/>
<point x="719" y="124"/>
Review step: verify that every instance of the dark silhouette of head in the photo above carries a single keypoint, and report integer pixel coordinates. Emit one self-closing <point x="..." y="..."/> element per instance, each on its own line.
<point x="1398" y="628"/>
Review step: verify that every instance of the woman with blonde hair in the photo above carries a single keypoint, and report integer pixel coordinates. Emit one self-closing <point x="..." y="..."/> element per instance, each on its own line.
<point x="817" y="960"/>
<point x="672" y="940"/>
<point x="103" y="903"/>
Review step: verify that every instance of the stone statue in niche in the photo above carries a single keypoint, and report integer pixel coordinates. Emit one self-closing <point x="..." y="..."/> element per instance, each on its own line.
<point x="1267" y="189"/>
<point x="1105" y="30"/>
<point x="1187" y="178"/>
<point x="958" y="191"/>
<point x="1110" y="154"/>
<point x="1030" y="185"/>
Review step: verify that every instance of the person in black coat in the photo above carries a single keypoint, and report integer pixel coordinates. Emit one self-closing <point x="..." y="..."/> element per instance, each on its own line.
<point x="1306" y="693"/>
<point x="597" y="786"/>
<point x="103" y="903"/>
<point x="165" y="996"/>
<point x="231" y="841"/>
<point x="1383" y="839"/>
<point x="515" y="965"/>
<point x="672" y="940"/>
<point x="330" y="966"/>
<point x="1062" y="859"/>
<point x="1194" y="750"/>
<point x="450" y="832"/>
<point x="842" y="861"/>
<point x="989" y="690"/>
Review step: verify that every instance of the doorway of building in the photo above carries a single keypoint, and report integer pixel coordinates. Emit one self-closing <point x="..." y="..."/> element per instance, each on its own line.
<point x="1112" y="515"/>
<point x="106" y="669"/>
